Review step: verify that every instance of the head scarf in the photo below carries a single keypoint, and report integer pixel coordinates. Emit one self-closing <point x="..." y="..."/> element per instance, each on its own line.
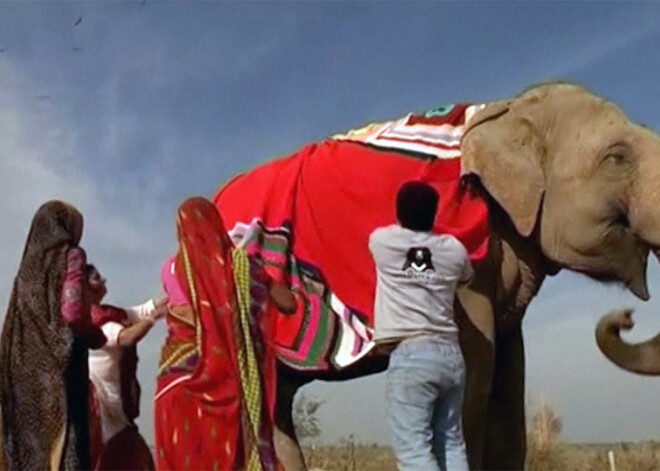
<point x="204" y="267"/>
<point x="37" y="353"/>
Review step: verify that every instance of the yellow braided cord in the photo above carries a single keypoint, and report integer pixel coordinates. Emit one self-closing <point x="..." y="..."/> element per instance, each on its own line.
<point x="178" y="355"/>
<point x="248" y="366"/>
<point x="190" y="278"/>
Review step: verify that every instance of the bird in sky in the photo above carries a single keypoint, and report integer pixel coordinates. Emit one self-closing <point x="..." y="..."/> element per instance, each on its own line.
<point x="78" y="21"/>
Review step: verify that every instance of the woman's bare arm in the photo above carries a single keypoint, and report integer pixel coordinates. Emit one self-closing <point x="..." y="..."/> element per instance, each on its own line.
<point x="131" y="335"/>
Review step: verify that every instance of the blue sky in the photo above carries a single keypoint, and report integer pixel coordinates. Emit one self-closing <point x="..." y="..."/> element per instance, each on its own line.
<point x="141" y="105"/>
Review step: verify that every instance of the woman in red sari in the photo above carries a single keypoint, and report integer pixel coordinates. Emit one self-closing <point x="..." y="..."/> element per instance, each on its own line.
<point x="216" y="388"/>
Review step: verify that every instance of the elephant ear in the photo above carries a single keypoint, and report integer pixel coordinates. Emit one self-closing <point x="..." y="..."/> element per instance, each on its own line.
<point x="503" y="147"/>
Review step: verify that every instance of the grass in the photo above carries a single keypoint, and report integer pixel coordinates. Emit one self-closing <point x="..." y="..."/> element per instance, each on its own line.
<point x="349" y="456"/>
<point x="641" y="456"/>
<point x="546" y="452"/>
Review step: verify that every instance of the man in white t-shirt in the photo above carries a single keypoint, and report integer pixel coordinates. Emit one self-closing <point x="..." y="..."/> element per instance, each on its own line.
<point x="417" y="276"/>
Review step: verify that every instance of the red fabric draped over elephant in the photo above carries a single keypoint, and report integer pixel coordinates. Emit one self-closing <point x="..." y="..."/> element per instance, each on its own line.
<point x="317" y="209"/>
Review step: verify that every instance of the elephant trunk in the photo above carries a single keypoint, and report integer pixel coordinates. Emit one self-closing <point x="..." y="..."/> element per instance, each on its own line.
<point x="643" y="219"/>
<point x="642" y="358"/>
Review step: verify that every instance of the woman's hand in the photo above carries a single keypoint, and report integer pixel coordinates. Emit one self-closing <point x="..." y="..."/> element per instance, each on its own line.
<point x="159" y="312"/>
<point x="283" y="297"/>
<point x="161" y="301"/>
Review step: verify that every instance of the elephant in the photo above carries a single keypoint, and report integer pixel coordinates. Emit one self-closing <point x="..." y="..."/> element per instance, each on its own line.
<point x="570" y="183"/>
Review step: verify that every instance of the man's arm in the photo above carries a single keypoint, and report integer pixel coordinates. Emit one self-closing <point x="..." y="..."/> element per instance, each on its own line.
<point x="376" y="240"/>
<point x="467" y="272"/>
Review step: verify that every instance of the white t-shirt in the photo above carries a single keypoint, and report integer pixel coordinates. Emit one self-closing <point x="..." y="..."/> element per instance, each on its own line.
<point x="417" y="275"/>
<point x="105" y="374"/>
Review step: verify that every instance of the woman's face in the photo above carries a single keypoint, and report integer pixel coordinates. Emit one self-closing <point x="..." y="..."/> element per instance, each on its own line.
<point x="97" y="286"/>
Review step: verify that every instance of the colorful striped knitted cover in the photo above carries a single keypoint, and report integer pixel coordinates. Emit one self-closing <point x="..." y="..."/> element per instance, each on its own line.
<point x="309" y="217"/>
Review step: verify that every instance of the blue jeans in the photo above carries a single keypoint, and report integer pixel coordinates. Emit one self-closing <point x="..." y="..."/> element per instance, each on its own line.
<point x="424" y="393"/>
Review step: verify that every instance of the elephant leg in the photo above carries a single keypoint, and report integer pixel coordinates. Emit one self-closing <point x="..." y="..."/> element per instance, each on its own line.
<point x="286" y="444"/>
<point x="475" y="318"/>
<point x="506" y="439"/>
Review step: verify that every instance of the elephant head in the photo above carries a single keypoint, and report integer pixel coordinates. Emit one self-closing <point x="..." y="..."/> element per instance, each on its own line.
<point x="575" y="176"/>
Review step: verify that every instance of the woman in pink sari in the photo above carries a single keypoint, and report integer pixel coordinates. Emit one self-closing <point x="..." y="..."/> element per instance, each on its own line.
<point x="216" y="388"/>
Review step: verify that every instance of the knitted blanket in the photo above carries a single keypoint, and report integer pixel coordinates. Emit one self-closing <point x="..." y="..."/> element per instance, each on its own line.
<point x="309" y="217"/>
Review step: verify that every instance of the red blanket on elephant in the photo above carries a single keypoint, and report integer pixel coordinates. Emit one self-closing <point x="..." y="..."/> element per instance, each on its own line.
<point x="315" y="210"/>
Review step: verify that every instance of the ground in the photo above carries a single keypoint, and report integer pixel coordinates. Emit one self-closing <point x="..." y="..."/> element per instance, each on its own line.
<point x="642" y="456"/>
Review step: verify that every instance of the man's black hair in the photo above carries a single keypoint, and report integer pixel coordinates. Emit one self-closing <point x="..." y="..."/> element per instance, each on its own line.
<point x="416" y="205"/>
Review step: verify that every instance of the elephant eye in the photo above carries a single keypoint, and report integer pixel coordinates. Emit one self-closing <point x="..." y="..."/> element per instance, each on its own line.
<point x="617" y="158"/>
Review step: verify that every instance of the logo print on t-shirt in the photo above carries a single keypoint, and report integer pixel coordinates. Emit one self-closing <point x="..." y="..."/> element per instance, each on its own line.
<point x="419" y="259"/>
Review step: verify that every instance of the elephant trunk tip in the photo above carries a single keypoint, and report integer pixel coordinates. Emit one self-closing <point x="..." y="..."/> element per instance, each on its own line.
<point x="642" y="358"/>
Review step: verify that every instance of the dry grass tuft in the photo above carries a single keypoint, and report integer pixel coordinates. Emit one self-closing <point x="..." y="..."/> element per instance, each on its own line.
<point x="543" y="438"/>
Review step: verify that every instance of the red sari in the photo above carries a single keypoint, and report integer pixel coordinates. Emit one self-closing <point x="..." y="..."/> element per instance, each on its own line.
<point x="204" y="408"/>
